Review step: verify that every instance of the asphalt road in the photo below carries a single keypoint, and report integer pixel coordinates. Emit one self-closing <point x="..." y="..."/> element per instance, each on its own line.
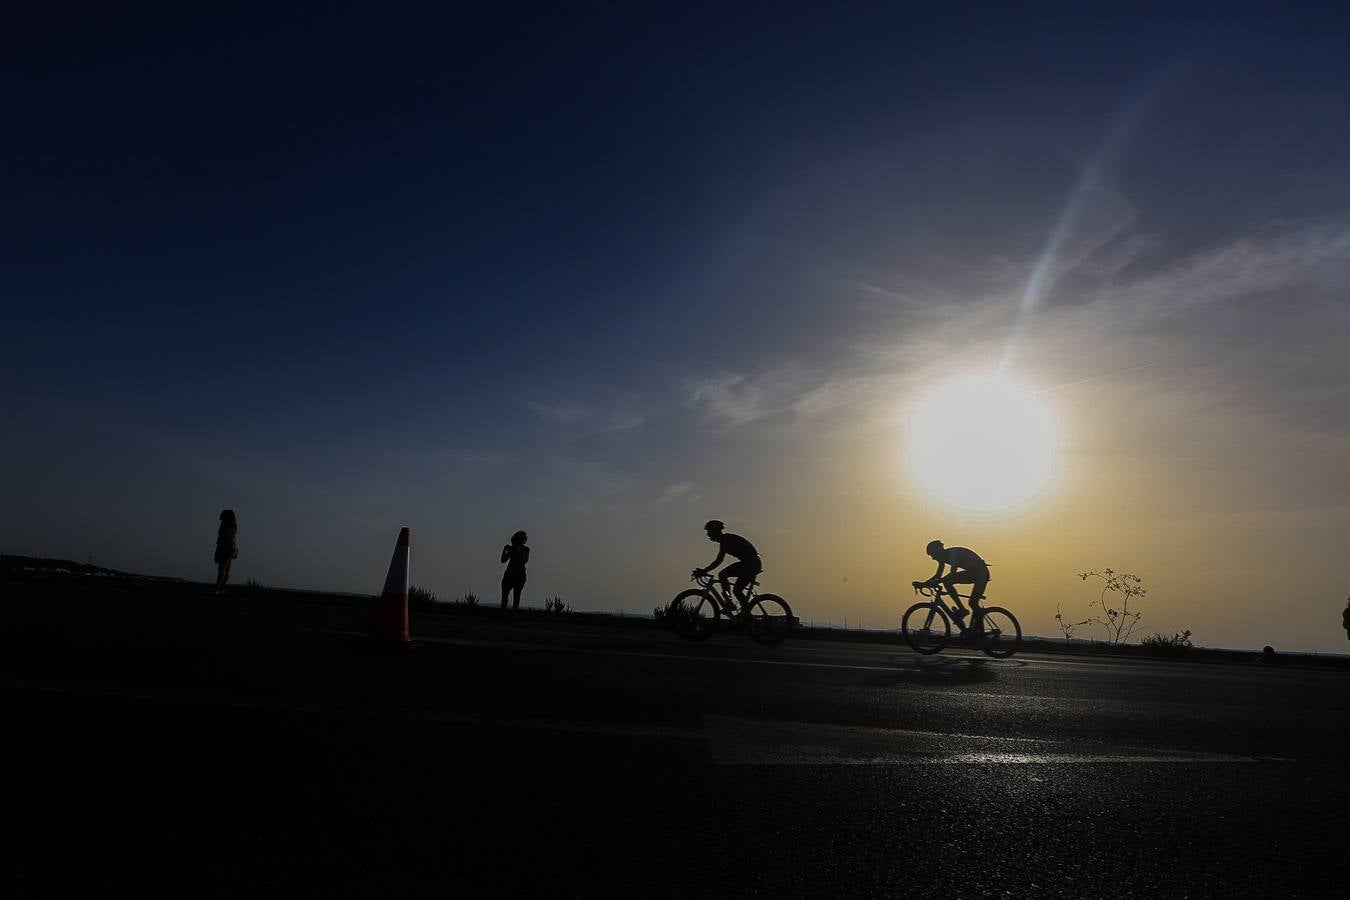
<point x="166" y="742"/>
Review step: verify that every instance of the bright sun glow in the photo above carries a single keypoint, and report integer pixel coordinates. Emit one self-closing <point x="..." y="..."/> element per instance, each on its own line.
<point x="982" y="444"/>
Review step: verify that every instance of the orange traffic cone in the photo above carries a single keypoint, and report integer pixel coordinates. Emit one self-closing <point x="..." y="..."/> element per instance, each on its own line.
<point x="391" y="623"/>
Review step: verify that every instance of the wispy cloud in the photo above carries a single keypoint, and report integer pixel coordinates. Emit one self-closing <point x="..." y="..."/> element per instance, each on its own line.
<point x="591" y="418"/>
<point x="729" y="398"/>
<point x="1279" y="257"/>
<point x="1109" y="318"/>
<point x="684" y="490"/>
<point x="898" y="296"/>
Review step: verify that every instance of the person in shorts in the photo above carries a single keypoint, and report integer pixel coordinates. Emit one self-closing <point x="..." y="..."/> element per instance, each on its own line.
<point x="967" y="567"/>
<point x="515" y="555"/>
<point x="747" y="567"/>
<point x="227" y="547"/>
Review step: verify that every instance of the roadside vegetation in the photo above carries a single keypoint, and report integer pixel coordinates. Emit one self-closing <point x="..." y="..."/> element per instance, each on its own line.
<point x="1118" y="616"/>
<point x="421" y="599"/>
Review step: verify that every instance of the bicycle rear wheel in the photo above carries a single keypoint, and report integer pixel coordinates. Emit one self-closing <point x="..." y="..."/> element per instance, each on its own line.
<point x="1002" y="635"/>
<point x="693" y="614"/>
<point x="926" y="628"/>
<point x="769" y="619"/>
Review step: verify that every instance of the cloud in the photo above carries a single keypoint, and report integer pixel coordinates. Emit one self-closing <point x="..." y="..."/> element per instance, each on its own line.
<point x="729" y="398"/>
<point x="681" y="491"/>
<point x="591" y="419"/>
<point x="899" y="296"/>
<point x="1279" y="257"/>
<point x="1116" y="324"/>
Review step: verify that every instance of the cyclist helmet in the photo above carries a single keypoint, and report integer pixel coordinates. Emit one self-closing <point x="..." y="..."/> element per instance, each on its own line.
<point x="933" y="547"/>
<point x="714" y="525"/>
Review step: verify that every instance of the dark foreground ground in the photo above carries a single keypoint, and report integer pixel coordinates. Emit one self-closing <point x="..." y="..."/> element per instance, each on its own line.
<point x="165" y="742"/>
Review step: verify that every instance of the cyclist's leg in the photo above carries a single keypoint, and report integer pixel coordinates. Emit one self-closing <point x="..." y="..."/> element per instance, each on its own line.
<point x="737" y="571"/>
<point x="749" y="570"/>
<point x="979" y="581"/>
<point x="951" y="581"/>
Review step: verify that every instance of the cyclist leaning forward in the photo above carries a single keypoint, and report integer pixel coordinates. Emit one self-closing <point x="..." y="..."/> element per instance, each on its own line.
<point x="967" y="568"/>
<point x="744" y="570"/>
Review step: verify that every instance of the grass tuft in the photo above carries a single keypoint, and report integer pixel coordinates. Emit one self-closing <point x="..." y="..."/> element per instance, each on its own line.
<point x="420" y="598"/>
<point x="1165" y="645"/>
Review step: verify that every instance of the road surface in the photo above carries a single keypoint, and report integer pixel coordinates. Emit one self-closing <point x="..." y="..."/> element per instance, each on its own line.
<point x="167" y="742"/>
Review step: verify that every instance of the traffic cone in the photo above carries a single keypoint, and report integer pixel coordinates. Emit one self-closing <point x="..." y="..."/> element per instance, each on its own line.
<point x="391" y="623"/>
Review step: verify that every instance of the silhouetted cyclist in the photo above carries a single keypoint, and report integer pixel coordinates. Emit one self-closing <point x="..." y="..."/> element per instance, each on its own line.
<point x="967" y="568"/>
<point x="748" y="565"/>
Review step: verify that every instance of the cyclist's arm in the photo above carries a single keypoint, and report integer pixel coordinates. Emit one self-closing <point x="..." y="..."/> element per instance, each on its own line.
<point x="937" y="576"/>
<point x="721" y="555"/>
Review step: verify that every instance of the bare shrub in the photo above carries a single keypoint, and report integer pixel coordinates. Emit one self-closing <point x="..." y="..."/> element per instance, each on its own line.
<point x="1119" y="589"/>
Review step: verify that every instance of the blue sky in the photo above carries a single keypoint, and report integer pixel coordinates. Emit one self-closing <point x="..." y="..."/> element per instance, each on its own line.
<point x="605" y="274"/>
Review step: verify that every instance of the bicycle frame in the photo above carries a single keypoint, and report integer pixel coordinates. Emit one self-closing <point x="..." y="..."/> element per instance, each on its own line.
<point x="940" y="597"/>
<point x="710" y="583"/>
<point x="993" y="629"/>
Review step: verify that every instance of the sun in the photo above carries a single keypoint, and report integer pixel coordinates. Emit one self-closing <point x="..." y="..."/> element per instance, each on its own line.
<point x="982" y="444"/>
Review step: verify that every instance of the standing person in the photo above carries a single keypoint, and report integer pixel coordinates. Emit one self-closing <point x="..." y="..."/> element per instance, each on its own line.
<point x="227" y="547"/>
<point x="515" y="555"/>
<point x="748" y="564"/>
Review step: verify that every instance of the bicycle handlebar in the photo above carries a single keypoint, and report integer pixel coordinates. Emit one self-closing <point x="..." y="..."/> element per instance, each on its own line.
<point x="934" y="591"/>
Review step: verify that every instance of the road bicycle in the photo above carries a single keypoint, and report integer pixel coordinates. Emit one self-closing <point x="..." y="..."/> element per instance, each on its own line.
<point x="693" y="614"/>
<point x="927" y="625"/>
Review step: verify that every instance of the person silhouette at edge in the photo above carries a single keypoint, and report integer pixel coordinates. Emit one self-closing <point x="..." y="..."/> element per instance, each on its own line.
<point x="515" y="555"/>
<point x="1345" y="619"/>
<point x="967" y="568"/>
<point x="227" y="547"/>
<point x="744" y="570"/>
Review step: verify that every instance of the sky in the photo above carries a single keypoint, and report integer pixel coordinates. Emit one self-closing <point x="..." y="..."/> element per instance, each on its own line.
<point x="603" y="273"/>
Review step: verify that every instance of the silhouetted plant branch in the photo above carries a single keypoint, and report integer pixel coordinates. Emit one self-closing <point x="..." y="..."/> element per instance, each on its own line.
<point x="1065" y="625"/>
<point x="1116" y="617"/>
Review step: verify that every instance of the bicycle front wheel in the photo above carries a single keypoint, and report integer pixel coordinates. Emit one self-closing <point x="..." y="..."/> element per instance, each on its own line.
<point x="693" y="614"/>
<point x="769" y="619"/>
<point x="1002" y="635"/>
<point x="926" y="628"/>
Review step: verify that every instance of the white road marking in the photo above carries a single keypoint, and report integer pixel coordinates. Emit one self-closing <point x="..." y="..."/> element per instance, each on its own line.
<point x="730" y="740"/>
<point x="952" y="653"/>
<point x="956" y="696"/>
<point x="741" y="741"/>
<point x="606" y="651"/>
